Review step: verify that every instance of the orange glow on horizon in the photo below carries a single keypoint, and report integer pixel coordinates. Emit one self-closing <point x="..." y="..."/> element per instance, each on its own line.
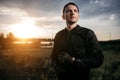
<point x="26" y="29"/>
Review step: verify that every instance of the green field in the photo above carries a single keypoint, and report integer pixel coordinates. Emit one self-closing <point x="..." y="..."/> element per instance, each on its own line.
<point x="26" y="64"/>
<point x="35" y="64"/>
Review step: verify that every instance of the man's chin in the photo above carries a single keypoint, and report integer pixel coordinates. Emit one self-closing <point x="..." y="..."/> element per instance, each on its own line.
<point x="72" y="22"/>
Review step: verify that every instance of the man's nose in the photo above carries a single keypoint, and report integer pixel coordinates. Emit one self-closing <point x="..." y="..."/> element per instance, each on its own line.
<point x="72" y="12"/>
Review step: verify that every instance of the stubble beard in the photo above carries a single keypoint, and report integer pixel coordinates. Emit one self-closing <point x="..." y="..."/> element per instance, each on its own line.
<point x="71" y="22"/>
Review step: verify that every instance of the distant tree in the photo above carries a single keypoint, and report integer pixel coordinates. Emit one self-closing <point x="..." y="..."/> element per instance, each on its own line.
<point x="1" y="36"/>
<point x="10" y="39"/>
<point x="10" y="36"/>
<point x="2" y="40"/>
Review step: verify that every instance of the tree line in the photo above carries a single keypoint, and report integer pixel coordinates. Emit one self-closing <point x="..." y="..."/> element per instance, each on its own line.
<point x="7" y="41"/>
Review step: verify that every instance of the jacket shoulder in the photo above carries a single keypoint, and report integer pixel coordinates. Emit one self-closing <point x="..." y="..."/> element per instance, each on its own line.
<point x="60" y="33"/>
<point x="84" y="32"/>
<point x="84" y="29"/>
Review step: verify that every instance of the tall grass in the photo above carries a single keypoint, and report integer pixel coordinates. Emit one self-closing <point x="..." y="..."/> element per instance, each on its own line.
<point x="26" y="64"/>
<point x="35" y="64"/>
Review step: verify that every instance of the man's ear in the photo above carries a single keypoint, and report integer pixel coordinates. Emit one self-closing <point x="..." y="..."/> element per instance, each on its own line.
<point x="63" y="17"/>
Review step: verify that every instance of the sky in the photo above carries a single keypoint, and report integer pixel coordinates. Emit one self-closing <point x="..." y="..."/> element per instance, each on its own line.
<point x="43" y="18"/>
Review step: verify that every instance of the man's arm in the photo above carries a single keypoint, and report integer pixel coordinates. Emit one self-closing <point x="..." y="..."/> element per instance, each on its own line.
<point x="94" y="56"/>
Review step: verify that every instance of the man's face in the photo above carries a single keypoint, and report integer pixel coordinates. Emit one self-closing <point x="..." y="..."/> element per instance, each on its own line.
<point x="71" y="14"/>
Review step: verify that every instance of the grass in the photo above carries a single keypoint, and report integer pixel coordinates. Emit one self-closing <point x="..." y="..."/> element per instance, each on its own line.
<point x="25" y="64"/>
<point x="35" y="64"/>
<point x="110" y="69"/>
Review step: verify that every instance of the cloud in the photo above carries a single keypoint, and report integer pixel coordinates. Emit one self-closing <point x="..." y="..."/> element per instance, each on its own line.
<point x="50" y="7"/>
<point x="99" y="15"/>
<point x="34" y="7"/>
<point x="47" y="21"/>
<point x="99" y="7"/>
<point x="102" y="25"/>
<point x="11" y="15"/>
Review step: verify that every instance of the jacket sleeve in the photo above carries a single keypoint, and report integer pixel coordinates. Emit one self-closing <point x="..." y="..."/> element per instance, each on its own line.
<point x="56" y="63"/>
<point x="55" y="51"/>
<point x="94" y="56"/>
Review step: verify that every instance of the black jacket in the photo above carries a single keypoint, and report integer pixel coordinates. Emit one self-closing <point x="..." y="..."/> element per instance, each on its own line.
<point x="82" y="44"/>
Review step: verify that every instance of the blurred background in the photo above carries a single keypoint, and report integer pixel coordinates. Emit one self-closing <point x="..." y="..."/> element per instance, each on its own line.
<point x="28" y="27"/>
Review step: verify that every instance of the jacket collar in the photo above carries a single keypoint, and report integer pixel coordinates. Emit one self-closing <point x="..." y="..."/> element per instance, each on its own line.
<point x="74" y="29"/>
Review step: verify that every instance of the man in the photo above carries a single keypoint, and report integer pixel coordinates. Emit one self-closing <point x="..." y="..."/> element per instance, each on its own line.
<point x="76" y="49"/>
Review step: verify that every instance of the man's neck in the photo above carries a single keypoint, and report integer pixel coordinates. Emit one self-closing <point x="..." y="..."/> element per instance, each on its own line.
<point x="71" y="26"/>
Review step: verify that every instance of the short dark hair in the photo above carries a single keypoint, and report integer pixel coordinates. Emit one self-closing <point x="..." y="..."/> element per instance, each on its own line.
<point x="70" y="3"/>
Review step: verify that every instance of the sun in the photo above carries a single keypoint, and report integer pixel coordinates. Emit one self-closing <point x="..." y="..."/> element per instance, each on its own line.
<point x="26" y="29"/>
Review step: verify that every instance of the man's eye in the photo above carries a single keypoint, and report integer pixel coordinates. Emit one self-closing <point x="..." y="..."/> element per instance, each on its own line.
<point x="67" y="11"/>
<point x="75" y="10"/>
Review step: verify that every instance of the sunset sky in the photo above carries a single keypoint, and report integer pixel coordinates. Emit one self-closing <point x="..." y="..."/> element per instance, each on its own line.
<point x="42" y="18"/>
